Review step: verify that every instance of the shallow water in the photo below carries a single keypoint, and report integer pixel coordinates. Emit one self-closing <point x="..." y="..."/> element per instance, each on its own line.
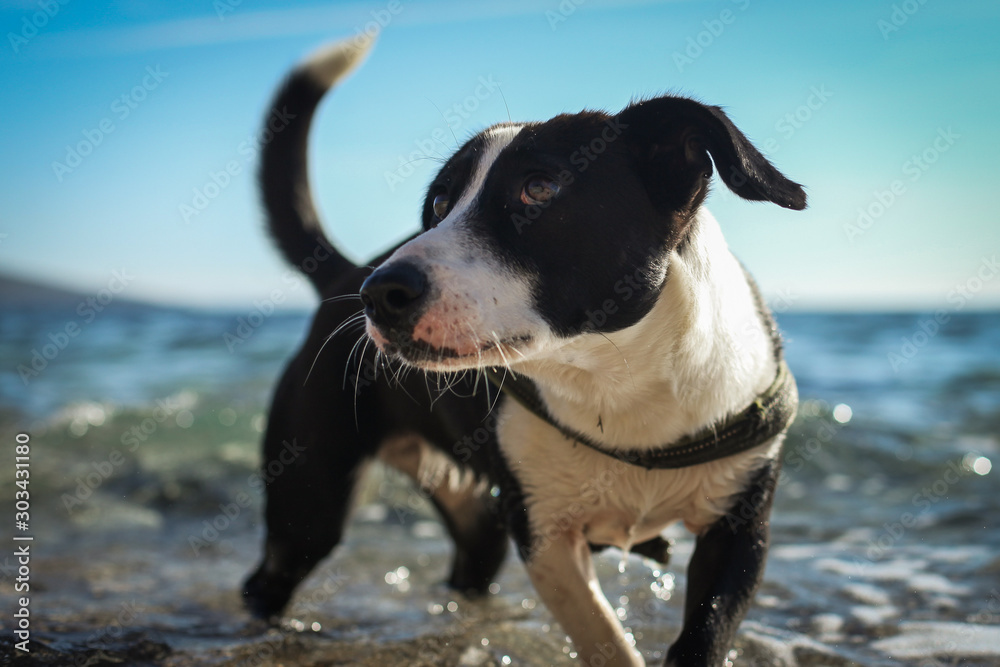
<point x="145" y="431"/>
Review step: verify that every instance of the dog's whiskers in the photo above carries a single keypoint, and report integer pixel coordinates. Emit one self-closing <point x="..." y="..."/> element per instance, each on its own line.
<point x="342" y="297"/>
<point x="503" y="349"/>
<point x="357" y="382"/>
<point x="446" y="122"/>
<point x="436" y="158"/>
<point x="507" y="108"/>
<point x="350" y="355"/>
<point x="498" y="345"/>
<point x="356" y="318"/>
<point x="480" y="375"/>
<point x="496" y="399"/>
<point x="348" y="322"/>
<point x="398" y="374"/>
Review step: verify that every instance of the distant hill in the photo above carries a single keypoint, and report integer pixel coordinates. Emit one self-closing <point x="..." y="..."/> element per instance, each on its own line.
<point x="19" y="292"/>
<point x="25" y="293"/>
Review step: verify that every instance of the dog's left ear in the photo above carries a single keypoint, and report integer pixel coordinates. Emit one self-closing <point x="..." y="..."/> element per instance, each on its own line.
<point x="674" y="137"/>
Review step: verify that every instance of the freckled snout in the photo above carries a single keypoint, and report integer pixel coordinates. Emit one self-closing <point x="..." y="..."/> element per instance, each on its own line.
<point x="394" y="295"/>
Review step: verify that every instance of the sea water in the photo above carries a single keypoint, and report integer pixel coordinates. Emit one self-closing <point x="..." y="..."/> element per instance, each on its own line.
<point x="145" y="429"/>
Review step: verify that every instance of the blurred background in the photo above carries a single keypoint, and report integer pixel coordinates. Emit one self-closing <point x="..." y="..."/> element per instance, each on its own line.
<point x="145" y="314"/>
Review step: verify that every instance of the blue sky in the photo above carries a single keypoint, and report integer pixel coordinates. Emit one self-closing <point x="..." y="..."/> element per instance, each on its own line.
<point x="882" y="107"/>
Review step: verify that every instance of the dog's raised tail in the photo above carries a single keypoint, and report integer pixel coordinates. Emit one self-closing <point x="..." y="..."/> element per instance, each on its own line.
<point x="284" y="174"/>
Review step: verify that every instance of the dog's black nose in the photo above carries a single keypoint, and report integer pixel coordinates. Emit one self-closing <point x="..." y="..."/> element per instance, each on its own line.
<point x="393" y="293"/>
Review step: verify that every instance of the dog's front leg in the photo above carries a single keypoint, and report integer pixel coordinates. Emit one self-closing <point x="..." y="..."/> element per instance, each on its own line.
<point x="725" y="570"/>
<point x="562" y="571"/>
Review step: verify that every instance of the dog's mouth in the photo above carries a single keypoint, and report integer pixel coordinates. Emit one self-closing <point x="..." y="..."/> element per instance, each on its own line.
<point x="475" y="354"/>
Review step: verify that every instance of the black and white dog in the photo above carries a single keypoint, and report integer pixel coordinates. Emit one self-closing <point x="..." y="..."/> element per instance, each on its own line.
<point x="570" y="263"/>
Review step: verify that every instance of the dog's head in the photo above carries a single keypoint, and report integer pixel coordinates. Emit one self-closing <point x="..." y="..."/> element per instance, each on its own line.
<point x="540" y="232"/>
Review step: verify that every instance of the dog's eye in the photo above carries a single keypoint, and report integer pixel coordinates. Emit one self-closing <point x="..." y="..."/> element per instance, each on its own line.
<point x="440" y="205"/>
<point x="539" y="190"/>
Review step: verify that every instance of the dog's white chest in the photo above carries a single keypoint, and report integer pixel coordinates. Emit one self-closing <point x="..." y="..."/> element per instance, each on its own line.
<point x="569" y="486"/>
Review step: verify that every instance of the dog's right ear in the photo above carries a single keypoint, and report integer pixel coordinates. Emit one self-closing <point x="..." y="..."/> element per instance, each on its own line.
<point x="674" y="136"/>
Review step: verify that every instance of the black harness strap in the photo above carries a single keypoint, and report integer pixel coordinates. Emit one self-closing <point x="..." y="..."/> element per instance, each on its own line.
<point x="760" y="421"/>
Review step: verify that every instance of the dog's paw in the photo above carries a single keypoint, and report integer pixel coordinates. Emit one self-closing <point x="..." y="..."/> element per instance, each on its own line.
<point x="265" y="596"/>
